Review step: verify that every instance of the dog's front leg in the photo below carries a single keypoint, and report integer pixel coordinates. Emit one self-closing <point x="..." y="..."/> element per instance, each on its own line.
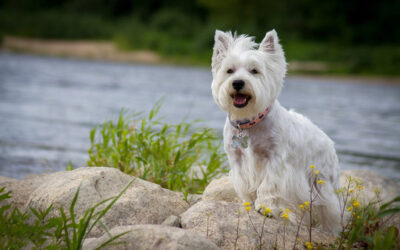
<point x="267" y="197"/>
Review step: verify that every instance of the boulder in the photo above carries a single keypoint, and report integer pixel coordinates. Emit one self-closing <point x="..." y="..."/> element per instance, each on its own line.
<point x="218" y="220"/>
<point x="221" y="190"/>
<point x="22" y="189"/>
<point x="152" y="237"/>
<point x="142" y="203"/>
<point x="4" y="179"/>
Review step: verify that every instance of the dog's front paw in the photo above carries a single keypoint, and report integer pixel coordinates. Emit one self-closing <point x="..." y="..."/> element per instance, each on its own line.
<point x="266" y="209"/>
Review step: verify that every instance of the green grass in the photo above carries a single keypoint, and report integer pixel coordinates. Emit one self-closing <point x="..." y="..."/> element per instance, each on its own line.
<point x="36" y="229"/>
<point x="179" y="157"/>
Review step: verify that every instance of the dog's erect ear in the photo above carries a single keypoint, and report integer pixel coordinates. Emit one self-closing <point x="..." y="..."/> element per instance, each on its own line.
<point x="221" y="45"/>
<point x="270" y="43"/>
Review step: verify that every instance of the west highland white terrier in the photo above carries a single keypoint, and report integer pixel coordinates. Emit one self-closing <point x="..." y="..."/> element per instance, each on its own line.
<point x="269" y="147"/>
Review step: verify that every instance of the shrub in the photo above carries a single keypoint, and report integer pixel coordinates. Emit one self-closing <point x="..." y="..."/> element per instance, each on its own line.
<point x="178" y="157"/>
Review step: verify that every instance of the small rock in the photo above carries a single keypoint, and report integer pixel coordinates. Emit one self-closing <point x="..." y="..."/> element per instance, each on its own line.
<point x="172" y="221"/>
<point x="153" y="237"/>
<point x="221" y="190"/>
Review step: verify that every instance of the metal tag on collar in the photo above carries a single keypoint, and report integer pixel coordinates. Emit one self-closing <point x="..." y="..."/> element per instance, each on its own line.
<point x="240" y="140"/>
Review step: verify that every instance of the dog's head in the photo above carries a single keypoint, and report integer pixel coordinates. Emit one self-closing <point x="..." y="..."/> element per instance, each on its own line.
<point x="246" y="79"/>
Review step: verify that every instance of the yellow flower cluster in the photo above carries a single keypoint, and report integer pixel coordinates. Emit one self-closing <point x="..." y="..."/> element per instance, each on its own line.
<point x="309" y="245"/>
<point x="247" y="206"/>
<point x="321" y="182"/>
<point x="266" y="211"/>
<point x="356" y="203"/>
<point x="285" y="215"/>
<point x="312" y="166"/>
<point x="316" y="172"/>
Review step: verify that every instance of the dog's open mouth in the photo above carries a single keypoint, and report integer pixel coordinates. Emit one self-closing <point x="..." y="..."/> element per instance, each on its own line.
<point x="240" y="100"/>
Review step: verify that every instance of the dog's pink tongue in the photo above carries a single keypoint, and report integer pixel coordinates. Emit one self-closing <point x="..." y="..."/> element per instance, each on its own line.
<point x="240" y="99"/>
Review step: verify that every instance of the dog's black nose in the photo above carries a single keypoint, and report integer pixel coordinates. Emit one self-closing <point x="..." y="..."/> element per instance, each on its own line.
<point x="238" y="84"/>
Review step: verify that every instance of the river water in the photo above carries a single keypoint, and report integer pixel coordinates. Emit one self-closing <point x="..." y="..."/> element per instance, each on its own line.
<point x="49" y="105"/>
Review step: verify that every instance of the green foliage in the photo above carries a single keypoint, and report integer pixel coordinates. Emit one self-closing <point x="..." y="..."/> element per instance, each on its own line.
<point x="336" y="33"/>
<point x="178" y="157"/>
<point x="54" y="25"/>
<point x="370" y="228"/>
<point x="36" y="229"/>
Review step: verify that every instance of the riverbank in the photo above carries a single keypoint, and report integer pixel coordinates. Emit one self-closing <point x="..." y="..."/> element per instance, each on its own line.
<point x="85" y="49"/>
<point x="109" y="51"/>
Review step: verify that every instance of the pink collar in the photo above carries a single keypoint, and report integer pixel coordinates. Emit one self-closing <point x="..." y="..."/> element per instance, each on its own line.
<point x="249" y="124"/>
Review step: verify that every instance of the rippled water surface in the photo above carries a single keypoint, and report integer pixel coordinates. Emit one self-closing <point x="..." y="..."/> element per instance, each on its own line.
<point x="49" y="105"/>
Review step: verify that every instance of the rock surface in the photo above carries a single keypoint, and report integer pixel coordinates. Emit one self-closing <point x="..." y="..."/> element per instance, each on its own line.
<point x="221" y="190"/>
<point x="208" y="221"/>
<point x="153" y="237"/>
<point x="218" y="221"/>
<point x="142" y="203"/>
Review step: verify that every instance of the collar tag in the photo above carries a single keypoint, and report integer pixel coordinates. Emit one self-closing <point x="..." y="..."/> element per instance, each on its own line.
<point x="240" y="140"/>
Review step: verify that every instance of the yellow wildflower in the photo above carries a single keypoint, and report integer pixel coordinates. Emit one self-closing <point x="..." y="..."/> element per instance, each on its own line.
<point x="248" y="209"/>
<point x="267" y="210"/>
<point x="301" y="206"/>
<point x="316" y="172"/>
<point x="287" y="210"/>
<point x="351" y="191"/>
<point x="349" y="209"/>
<point x="309" y="245"/>
<point x="312" y="166"/>
<point x="306" y="203"/>
<point x="321" y="182"/>
<point x="361" y="187"/>
<point x="285" y="216"/>
<point x="356" y="203"/>
<point x="246" y="204"/>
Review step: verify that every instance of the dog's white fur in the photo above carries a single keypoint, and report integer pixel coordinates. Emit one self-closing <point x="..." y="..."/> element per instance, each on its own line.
<point x="273" y="171"/>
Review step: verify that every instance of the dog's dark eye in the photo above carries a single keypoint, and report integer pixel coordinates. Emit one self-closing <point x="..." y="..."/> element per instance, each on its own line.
<point x="254" y="71"/>
<point x="229" y="71"/>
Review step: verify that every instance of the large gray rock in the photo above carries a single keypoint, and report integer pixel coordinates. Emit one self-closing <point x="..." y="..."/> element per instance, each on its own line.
<point x="218" y="220"/>
<point x="221" y="190"/>
<point x="143" y="203"/>
<point x="388" y="188"/>
<point x="153" y="237"/>
<point x="4" y="180"/>
<point x="22" y="189"/>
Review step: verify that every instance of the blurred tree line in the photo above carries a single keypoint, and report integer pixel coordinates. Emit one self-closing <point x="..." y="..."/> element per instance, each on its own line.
<point x="178" y="27"/>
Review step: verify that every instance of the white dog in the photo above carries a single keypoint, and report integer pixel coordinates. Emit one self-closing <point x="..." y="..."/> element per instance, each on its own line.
<point x="270" y="148"/>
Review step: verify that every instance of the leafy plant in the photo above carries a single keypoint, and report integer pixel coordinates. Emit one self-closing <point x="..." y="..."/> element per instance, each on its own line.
<point x="368" y="227"/>
<point x="178" y="157"/>
<point x="18" y="230"/>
